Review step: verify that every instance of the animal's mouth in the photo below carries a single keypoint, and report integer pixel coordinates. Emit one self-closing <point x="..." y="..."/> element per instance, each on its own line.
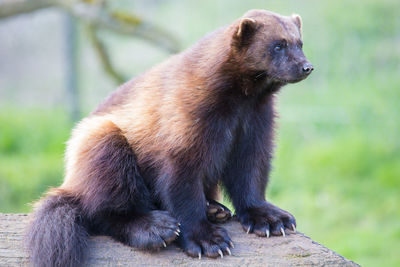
<point x="285" y="81"/>
<point x="274" y="79"/>
<point x="296" y="80"/>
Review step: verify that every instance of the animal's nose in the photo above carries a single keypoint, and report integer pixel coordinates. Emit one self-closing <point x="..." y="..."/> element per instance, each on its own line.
<point x="308" y="68"/>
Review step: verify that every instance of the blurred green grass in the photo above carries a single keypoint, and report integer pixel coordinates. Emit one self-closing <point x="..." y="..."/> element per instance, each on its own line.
<point x="337" y="164"/>
<point x="31" y="155"/>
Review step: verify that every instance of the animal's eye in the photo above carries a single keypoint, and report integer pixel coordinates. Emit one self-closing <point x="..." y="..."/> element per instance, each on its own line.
<point x="278" y="48"/>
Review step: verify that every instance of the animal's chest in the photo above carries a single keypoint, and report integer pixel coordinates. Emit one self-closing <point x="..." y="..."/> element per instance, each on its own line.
<point x="243" y="128"/>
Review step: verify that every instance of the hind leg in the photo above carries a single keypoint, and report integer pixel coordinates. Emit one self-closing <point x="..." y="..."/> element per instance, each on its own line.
<point x="216" y="212"/>
<point x="150" y="231"/>
<point x="113" y="195"/>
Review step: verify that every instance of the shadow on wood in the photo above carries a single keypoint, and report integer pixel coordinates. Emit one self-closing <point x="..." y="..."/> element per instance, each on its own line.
<point x="250" y="250"/>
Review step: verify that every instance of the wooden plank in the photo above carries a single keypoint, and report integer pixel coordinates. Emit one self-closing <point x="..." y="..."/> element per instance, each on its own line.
<point x="250" y="250"/>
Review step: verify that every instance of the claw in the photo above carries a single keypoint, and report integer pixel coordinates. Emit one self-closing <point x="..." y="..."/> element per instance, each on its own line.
<point x="208" y="203"/>
<point x="179" y="224"/>
<point x="283" y="231"/>
<point x="199" y="255"/>
<point x="248" y="230"/>
<point x="220" y="253"/>
<point x="178" y="230"/>
<point x="293" y="227"/>
<point x="164" y="244"/>
<point x="267" y="233"/>
<point x="176" y="233"/>
<point x="231" y="244"/>
<point x="229" y="251"/>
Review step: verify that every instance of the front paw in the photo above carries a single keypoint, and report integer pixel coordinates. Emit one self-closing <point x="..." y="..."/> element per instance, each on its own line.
<point x="205" y="239"/>
<point x="267" y="219"/>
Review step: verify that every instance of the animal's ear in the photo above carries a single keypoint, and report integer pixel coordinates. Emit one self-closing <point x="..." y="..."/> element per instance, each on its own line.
<point x="297" y="20"/>
<point x="244" y="31"/>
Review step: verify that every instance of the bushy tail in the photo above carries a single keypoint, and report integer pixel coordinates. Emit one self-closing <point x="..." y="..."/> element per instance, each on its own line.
<point x="56" y="236"/>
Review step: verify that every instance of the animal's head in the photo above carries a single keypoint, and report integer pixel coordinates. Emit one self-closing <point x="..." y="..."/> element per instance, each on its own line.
<point x="271" y="44"/>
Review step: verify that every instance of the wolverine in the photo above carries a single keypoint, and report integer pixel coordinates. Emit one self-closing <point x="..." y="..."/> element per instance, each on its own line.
<point x="146" y="165"/>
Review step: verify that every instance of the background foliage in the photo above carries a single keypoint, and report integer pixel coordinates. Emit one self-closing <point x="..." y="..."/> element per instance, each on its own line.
<point x="337" y="166"/>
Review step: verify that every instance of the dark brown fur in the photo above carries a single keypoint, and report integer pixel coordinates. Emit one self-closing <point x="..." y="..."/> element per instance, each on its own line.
<point x="154" y="152"/>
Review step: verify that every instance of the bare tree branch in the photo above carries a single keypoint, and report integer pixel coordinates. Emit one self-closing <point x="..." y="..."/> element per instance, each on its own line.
<point x="92" y="12"/>
<point x="122" y="23"/>
<point x="9" y="8"/>
<point x="103" y="55"/>
<point x="96" y="15"/>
